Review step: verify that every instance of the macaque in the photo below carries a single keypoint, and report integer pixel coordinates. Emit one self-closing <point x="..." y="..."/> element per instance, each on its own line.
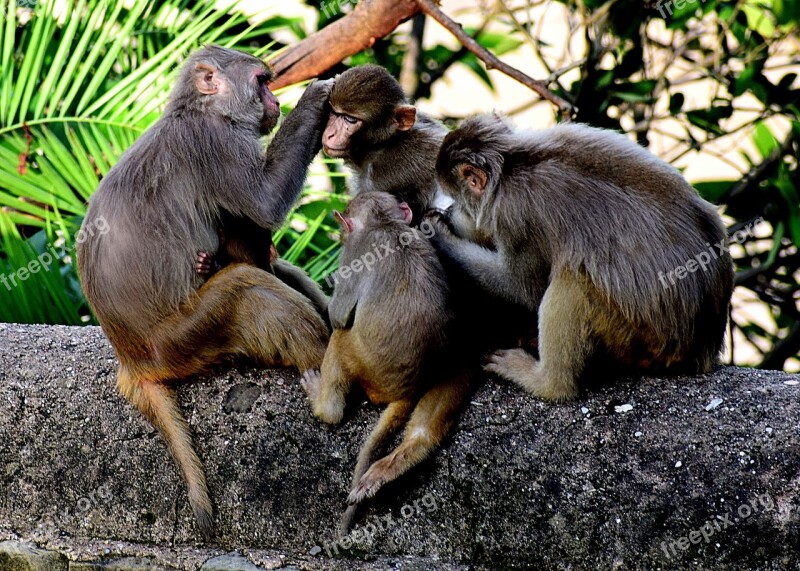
<point x="388" y="144"/>
<point x="200" y="167"/>
<point x="617" y="252"/>
<point x="392" y="147"/>
<point x="392" y="329"/>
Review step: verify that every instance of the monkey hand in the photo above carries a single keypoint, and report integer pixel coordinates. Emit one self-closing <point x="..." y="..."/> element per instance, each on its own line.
<point x="317" y="93"/>
<point x="441" y="233"/>
<point x="440" y="220"/>
<point x="206" y="264"/>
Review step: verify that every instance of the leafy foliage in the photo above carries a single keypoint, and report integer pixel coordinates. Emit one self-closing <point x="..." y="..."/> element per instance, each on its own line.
<point x="76" y="89"/>
<point x="692" y="79"/>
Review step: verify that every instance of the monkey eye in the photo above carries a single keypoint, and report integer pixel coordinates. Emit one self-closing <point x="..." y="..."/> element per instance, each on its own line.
<point x="262" y="78"/>
<point x="350" y="119"/>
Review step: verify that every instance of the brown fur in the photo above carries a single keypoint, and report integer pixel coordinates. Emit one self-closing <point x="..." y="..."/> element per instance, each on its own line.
<point x="392" y="325"/>
<point x="200" y="167"/>
<point x="586" y="224"/>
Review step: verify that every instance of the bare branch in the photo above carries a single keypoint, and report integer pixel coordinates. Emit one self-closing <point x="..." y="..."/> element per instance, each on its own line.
<point x="492" y="62"/>
<point x="368" y="22"/>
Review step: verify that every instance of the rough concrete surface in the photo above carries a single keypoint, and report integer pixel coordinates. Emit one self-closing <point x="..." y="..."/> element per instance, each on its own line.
<point x="626" y="477"/>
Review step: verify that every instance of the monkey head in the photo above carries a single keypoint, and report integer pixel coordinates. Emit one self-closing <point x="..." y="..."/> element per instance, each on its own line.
<point x="373" y="210"/>
<point x="470" y="163"/>
<point x="227" y="83"/>
<point x="368" y="107"/>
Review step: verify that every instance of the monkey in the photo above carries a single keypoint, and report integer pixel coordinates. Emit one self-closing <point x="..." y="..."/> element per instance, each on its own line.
<point x="392" y="147"/>
<point x="201" y="165"/>
<point x="392" y="324"/>
<point x="586" y="224"/>
<point x="387" y="143"/>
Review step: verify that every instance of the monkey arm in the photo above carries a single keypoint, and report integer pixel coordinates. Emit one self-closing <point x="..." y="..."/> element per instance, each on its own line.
<point x="295" y="144"/>
<point x="487" y="267"/>
<point x="298" y="280"/>
<point x="343" y="304"/>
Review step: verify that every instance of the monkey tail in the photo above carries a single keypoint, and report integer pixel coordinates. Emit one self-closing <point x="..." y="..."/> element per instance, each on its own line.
<point x="157" y="403"/>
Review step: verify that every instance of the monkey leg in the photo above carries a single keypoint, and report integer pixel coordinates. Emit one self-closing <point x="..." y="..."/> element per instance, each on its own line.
<point x="564" y="344"/>
<point x="391" y="421"/>
<point x="158" y="405"/>
<point x="431" y="420"/>
<point x="242" y="310"/>
<point x="328" y="389"/>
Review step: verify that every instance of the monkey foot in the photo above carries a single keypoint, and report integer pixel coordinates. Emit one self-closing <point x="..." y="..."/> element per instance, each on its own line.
<point x="311" y="382"/>
<point x="521" y="368"/>
<point x="369" y="484"/>
<point x="511" y="364"/>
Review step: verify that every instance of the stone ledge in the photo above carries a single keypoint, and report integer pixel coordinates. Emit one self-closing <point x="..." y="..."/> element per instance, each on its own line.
<point x="625" y="477"/>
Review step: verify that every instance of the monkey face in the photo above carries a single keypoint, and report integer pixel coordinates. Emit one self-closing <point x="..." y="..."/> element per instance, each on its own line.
<point x="272" y="108"/>
<point x="368" y="107"/>
<point x="235" y="85"/>
<point x="470" y="163"/>
<point x="337" y="138"/>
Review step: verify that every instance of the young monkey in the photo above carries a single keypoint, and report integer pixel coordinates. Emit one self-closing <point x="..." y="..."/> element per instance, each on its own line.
<point x="391" y="328"/>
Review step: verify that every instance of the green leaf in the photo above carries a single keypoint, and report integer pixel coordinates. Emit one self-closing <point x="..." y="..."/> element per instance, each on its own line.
<point x="713" y="190"/>
<point x="764" y="140"/>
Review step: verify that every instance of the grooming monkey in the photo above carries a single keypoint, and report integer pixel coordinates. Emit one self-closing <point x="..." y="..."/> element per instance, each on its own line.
<point x="584" y="221"/>
<point x="200" y="167"/>
<point x="391" y="147"/>
<point x="392" y="328"/>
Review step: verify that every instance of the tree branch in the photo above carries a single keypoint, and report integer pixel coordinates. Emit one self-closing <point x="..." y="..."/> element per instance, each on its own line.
<point x="369" y="21"/>
<point x="492" y="62"/>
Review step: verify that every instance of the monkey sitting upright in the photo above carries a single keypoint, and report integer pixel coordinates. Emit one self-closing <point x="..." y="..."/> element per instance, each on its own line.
<point x="391" y="147"/>
<point x="388" y="144"/>
<point x="198" y="168"/>
<point x="391" y="322"/>
<point x="585" y="222"/>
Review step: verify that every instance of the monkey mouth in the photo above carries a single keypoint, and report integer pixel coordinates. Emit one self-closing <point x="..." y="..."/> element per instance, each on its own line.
<point x="334" y="153"/>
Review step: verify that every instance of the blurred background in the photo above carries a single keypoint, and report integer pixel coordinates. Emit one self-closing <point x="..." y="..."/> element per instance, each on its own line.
<point x="710" y="86"/>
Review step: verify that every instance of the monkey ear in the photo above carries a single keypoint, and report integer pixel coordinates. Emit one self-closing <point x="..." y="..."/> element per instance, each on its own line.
<point x="344" y="221"/>
<point x="405" y="116"/>
<point x="406" y="210"/>
<point x="206" y="79"/>
<point x="476" y="178"/>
